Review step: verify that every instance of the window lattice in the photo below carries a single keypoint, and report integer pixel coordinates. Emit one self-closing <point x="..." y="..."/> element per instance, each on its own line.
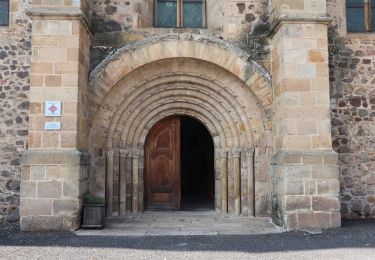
<point x="360" y="15"/>
<point x="179" y="13"/>
<point x="4" y="12"/>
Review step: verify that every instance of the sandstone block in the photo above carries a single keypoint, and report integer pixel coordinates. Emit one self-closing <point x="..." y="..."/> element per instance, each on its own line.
<point x="35" y="139"/>
<point x="51" y="189"/>
<point x="64" y="207"/>
<point x="321" y="141"/>
<point x="50" y="54"/>
<point x="71" y="189"/>
<point x="297" y="203"/>
<point x="328" y="187"/>
<point x="327" y="172"/>
<point x="35" y="207"/>
<point x="45" y="40"/>
<point x="53" y="80"/>
<point x="335" y="219"/>
<point x="310" y="187"/>
<point x="41" y="68"/>
<point x="314" y="220"/>
<point x="291" y="221"/>
<point x="320" y="203"/>
<point x="312" y="159"/>
<point x="28" y="189"/>
<point x="53" y="173"/>
<point x="68" y="139"/>
<point x="35" y="108"/>
<point x="71" y="172"/>
<point x="66" y="67"/>
<point x="50" y="140"/>
<point x="41" y="223"/>
<point x="25" y="173"/>
<point x="37" y="172"/>
<point x="294" y="187"/>
<point x="296" y="171"/>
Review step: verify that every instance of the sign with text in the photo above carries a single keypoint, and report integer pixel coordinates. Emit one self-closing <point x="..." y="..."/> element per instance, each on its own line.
<point x="52" y="126"/>
<point x="52" y="108"/>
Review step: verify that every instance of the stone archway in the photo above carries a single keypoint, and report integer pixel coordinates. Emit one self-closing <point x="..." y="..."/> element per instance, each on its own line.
<point x="190" y="75"/>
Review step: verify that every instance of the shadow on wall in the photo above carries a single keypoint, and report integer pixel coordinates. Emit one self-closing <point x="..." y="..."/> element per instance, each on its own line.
<point x="352" y="234"/>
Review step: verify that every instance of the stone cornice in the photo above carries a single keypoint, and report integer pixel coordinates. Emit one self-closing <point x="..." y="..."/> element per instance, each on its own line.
<point x="59" y="13"/>
<point x="276" y="24"/>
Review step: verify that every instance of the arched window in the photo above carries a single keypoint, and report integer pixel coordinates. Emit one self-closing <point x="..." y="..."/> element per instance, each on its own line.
<point x="360" y="15"/>
<point x="180" y="13"/>
<point x="4" y="12"/>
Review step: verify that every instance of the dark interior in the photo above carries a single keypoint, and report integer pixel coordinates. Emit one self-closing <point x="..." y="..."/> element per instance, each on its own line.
<point x="197" y="166"/>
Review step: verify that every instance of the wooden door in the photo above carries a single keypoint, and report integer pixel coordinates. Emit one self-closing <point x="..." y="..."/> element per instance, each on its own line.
<point x="162" y="169"/>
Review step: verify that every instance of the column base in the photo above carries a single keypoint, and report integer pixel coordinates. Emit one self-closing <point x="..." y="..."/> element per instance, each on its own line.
<point x="306" y="189"/>
<point x="53" y="183"/>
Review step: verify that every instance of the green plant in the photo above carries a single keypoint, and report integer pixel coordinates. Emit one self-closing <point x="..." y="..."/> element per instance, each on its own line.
<point x="92" y="200"/>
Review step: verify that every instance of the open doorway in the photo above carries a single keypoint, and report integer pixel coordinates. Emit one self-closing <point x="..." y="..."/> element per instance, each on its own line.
<point x="197" y="166"/>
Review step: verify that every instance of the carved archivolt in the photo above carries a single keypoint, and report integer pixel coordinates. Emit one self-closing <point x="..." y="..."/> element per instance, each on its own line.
<point x="135" y="88"/>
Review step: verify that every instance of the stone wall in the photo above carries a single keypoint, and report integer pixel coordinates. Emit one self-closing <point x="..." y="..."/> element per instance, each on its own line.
<point x="118" y="23"/>
<point x="352" y="79"/>
<point x="15" y="54"/>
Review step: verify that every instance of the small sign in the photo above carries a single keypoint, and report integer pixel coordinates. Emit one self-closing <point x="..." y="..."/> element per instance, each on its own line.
<point x="52" y="126"/>
<point x="52" y="108"/>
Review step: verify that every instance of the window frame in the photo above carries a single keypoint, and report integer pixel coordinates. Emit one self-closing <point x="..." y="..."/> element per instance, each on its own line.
<point x="179" y="15"/>
<point x="367" y="18"/>
<point x="8" y="15"/>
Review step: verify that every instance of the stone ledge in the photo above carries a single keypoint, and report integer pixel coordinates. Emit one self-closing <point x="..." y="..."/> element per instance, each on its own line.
<point x="55" y="156"/>
<point x="55" y="11"/>
<point x="313" y="157"/>
<point x="60" y="13"/>
<point x="296" y="19"/>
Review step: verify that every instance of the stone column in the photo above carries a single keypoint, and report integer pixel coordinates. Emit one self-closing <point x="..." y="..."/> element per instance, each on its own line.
<point x="223" y="156"/>
<point x="124" y="154"/>
<point x="109" y="182"/>
<point x="235" y="156"/>
<point x="135" y="184"/>
<point x="55" y="168"/>
<point x="248" y="158"/>
<point x="141" y="181"/>
<point x="305" y="172"/>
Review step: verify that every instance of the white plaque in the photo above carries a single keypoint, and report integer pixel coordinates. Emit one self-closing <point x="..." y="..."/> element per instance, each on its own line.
<point x="52" y="108"/>
<point x="52" y="125"/>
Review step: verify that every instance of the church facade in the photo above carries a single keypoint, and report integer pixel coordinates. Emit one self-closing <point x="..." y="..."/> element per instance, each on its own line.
<point x="253" y="108"/>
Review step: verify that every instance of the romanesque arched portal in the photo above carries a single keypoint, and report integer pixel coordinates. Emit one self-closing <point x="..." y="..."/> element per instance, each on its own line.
<point x="188" y="75"/>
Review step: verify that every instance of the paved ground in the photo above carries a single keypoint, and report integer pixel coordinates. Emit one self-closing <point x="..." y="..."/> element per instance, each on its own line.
<point x="355" y="240"/>
<point x="180" y="223"/>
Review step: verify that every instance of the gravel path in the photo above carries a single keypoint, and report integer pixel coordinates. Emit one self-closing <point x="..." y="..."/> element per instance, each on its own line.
<point x="356" y="239"/>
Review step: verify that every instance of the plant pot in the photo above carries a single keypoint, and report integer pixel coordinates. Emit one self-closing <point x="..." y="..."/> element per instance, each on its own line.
<point x="93" y="216"/>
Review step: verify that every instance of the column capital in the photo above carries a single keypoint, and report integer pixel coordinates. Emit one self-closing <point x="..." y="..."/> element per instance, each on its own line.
<point x="234" y="153"/>
<point x="109" y="152"/>
<point x="248" y="152"/>
<point x="137" y="153"/>
<point x="221" y="153"/>
<point x="125" y="152"/>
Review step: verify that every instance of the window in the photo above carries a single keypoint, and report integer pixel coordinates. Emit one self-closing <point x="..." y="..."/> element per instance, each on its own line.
<point x="179" y="13"/>
<point x="360" y="15"/>
<point x="4" y="12"/>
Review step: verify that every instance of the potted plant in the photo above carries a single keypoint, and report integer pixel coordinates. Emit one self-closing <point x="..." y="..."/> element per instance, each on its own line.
<point x="93" y="212"/>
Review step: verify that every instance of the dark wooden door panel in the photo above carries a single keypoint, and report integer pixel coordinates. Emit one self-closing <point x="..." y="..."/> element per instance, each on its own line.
<point x="162" y="178"/>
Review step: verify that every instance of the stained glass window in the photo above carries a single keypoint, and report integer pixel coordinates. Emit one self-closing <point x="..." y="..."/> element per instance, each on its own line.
<point x="179" y="13"/>
<point x="4" y="12"/>
<point x="360" y="15"/>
